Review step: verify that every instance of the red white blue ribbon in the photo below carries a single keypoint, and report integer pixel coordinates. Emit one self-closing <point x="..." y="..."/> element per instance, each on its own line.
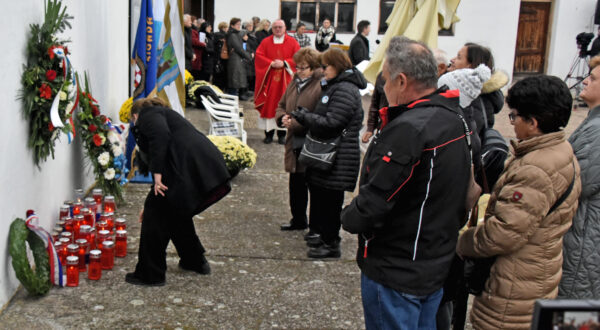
<point x="56" y="273"/>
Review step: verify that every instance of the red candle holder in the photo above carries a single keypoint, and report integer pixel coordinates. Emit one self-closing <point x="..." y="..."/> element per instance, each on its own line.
<point x="95" y="267"/>
<point x="97" y="195"/>
<point x="68" y="223"/>
<point x="62" y="253"/>
<point x="91" y="204"/>
<point x="72" y="250"/>
<point x="89" y="217"/>
<point x="108" y="255"/>
<point x="65" y="211"/>
<point x="77" y="206"/>
<point x="83" y="245"/>
<point x="109" y="217"/>
<point x="55" y="236"/>
<point x="72" y="271"/>
<point x="121" y="243"/>
<point x="77" y="223"/>
<point x="103" y="235"/>
<point x="68" y="235"/>
<point x="120" y="224"/>
<point x="101" y="225"/>
<point x="58" y="246"/>
<point x="70" y="205"/>
<point x="109" y="204"/>
<point x="84" y="232"/>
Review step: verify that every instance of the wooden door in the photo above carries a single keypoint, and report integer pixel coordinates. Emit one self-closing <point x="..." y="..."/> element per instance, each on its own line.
<point x="530" y="55"/>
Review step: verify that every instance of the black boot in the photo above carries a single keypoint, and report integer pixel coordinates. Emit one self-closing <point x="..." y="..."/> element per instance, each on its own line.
<point x="203" y="268"/>
<point x="281" y="137"/>
<point x="269" y="136"/>
<point x="294" y="225"/>
<point x="331" y="250"/>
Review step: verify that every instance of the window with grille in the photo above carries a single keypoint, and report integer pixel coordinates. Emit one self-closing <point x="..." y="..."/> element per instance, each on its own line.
<point x="341" y="13"/>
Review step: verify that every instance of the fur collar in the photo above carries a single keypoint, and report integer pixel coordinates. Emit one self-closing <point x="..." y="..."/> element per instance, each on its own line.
<point x="498" y="80"/>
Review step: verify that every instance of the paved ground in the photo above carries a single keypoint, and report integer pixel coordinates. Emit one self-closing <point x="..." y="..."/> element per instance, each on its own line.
<point x="261" y="277"/>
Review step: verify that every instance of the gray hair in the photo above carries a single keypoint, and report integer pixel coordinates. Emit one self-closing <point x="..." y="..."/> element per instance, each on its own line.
<point x="440" y="56"/>
<point x="414" y="59"/>
<point x="245" y="24"/>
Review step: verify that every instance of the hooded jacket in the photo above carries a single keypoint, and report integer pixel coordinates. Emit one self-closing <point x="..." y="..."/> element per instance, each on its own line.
<point x="339" y="108"/>
<point x="518" y="229"/>
<point x="411" y="201"/>
<point x="581" y="274"/>
<point x="491" y="99"/>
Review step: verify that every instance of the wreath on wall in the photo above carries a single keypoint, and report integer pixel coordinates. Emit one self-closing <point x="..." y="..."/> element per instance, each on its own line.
<point x="47" y="83"/>
<point x="103" y="144"/>
<point x="36" y="282"/>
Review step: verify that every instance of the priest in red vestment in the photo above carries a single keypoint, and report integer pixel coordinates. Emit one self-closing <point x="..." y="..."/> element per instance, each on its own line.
<point x="274" y="71"/>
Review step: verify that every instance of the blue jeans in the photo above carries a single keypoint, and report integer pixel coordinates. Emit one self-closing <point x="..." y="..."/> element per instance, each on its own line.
<point x="386" y="308"/>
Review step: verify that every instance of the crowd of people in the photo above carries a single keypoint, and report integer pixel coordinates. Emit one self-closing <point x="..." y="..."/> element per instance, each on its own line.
<point x="429" y="128"/>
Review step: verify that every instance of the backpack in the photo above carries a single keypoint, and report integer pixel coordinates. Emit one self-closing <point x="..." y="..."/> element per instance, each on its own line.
<point x="494" y="151"/>
<point x="224" y="52"/>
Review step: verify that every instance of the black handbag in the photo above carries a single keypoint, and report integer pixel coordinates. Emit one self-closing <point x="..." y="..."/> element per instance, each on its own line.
<point x="477" y="270"/>
<point x="319" y="154"/>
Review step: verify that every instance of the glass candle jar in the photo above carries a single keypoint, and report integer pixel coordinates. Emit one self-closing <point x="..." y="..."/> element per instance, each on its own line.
<point x="78" y="221"/>
<point x="55" y="236"/>
<point x="101" y="225"/>
<point x="97" y="195"/>
<point x="95" y="268"/>
<point x="72" y="250"/>
<point x="68" y="235"/>
<point x="109" y="204"/>
<point x="83" y="246"/>
<point x="61" y="223"/>
<point x="65" y="211"/>
<point x="110" y="221"/>
<point x="62" y="253"/>
<point x="88" y="216"/>
<point x="72" y="271"/>
<point x="70" y="205"/>
<point x="120" y="224"/>
<point x="58" y="228"/>
<point x="68" y="224"/>
<point x="90" y="203"/>
<point x="77" y="206"/>
<point x="79" y="195"/>
<point x="84" y="232"/>
<point x="103" y="235"/>
<point x="121" y="243"/>
<point x="59" y="250"/>
<point x="91" y="238"/>
<point x="108" y="255"/>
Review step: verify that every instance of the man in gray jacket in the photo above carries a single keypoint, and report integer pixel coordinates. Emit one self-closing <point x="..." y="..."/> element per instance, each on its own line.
<point x="581" y="270"/>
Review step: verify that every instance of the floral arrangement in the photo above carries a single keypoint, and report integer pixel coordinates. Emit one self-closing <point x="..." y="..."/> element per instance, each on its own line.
<point x="125" y="111"/>
<point x="237" y="154"/>
<point x="47" y="83"/>
<point x="188" y="78"/>
<point x="103" y="143"/>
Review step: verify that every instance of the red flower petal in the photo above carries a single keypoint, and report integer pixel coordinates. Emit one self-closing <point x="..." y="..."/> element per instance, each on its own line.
<point x="50" y="75"/>
<point x="92" y="128"/>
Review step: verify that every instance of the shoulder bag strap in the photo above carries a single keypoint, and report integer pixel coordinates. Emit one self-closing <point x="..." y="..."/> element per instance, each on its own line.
<point x="566" y="194"/>
<point x="485" y="122"/>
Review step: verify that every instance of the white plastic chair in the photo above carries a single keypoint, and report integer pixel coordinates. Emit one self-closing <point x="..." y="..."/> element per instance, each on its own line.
<point x="224" y="120"/>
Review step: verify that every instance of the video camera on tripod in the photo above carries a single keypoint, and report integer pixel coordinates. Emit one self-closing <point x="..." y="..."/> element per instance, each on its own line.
<point x="583" y="42"/>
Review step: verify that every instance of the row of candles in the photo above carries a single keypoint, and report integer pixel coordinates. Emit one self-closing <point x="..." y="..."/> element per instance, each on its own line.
<point x="83" y="236"/>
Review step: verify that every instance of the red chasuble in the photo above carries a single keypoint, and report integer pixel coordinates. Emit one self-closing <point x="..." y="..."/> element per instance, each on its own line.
<point x="271" y="83"/>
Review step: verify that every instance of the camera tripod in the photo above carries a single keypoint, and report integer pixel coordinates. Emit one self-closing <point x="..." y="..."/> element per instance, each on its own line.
<point x="577" y="73"/>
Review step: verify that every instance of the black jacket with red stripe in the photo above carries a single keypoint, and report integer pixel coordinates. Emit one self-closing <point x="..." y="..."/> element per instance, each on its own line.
<point x="411" y="202"/>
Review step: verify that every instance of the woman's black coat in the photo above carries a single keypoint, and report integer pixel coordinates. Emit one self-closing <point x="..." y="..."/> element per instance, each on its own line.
<point x="192" y="167"/>
<point x="236" y="65"/>
<point x="339" y="108"/>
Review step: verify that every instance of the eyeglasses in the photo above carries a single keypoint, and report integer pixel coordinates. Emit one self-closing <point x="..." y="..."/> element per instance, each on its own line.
<point x="512" y="116"/>
<point x="277" y="27"/>
<point x="302" y="68"/>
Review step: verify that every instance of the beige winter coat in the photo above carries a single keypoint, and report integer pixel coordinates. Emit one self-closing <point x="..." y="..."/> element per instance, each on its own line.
<point x="528" y="242"/>
<point x="290" y="101"/>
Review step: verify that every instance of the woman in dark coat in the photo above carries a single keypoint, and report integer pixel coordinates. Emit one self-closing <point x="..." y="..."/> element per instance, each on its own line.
<point x="236" y="66"/>
<point x="208" y="56"/>
<point x="189" y="175"/>
<point x="220" y="72"/>
<point x="339" y="112"/>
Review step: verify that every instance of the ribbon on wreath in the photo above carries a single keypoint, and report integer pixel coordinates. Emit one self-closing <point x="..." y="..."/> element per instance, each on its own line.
<point x="56" y="273"/>
<point x="54" y="115"/>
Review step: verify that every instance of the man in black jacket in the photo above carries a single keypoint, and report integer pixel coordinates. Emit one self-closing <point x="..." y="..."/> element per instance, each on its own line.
<point x="359" y="46"/>
<point x="411" y="201"/>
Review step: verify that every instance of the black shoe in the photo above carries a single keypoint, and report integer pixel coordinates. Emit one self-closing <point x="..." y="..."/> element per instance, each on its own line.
<point x="204" y="269"/>
<point x="293" y="226"/>
<point x="268" y="140"/>
<point x="311" y="234"/>
<point x="132" y="279"/>
<point x="281" y="140"/>
<point x="325" y="251"/>
<point x="314" y="242"/>
<point x="243" y="97"/>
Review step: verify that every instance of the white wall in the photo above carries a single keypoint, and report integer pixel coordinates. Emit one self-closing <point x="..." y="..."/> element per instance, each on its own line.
<point x="571" y="17"/>
<point x="245" y="10"/>
<point x="99" y="44"/>
<point x="491" y="23"/>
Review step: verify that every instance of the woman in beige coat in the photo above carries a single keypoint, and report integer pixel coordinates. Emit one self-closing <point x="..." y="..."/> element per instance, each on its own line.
<point x="303" y="91"/>
<point x="519" y="228"/>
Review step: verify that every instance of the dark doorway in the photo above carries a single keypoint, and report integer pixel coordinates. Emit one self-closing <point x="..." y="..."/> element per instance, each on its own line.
<point x="204" y="9"/>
